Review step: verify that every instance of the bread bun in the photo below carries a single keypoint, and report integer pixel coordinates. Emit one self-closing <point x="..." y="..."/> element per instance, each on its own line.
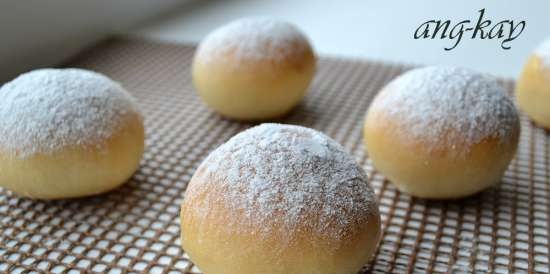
<point x="67" y="133"/>
<point x="442" y="132"/>
<point x="533" y="86"/>
<point x="279" y="199"/>
<point x="253" y="68"/>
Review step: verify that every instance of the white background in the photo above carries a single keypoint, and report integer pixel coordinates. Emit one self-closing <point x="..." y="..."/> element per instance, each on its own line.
<point x="375" y="29"/>
<point x="39" y="33"/>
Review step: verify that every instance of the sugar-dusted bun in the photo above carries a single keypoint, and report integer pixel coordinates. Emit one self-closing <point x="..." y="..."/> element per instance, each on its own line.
<point x="253" y="68"/>
<point x="442" y="132"/>
<point x="533" y="86"/>
<point x="67" y="133"/>
<point x="279" y="199"/>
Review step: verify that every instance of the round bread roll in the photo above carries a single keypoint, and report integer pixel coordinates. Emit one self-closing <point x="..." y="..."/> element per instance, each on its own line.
<point x="279" y="199"/>
<point x="533" y="86"/>
<point x="67" y="133"/>
<point x="253" y="68"/>
<point x="442" y="132"/>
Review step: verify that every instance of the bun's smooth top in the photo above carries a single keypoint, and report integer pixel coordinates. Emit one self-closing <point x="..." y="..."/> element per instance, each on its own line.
<point x="46" y="110"/>
<point x="252" y="40"/>
<point x="444" y="107"/>
<point x="273" y="179"/>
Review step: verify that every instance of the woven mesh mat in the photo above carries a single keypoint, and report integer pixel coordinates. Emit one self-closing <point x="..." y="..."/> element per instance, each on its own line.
<point x="135" y="229"/>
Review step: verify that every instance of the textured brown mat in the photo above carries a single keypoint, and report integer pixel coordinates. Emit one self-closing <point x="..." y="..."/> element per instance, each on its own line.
<point x="135" y="229"/>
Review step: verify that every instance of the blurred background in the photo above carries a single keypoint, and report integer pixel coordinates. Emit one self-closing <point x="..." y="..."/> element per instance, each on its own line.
<point x="38" y="33"/>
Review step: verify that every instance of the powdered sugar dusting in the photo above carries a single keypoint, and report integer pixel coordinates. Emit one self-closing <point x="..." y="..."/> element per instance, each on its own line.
<point x="543" y="51"/>
<point x="46" y="110"/>
<point x="447" y="106"/>
<point x="286" y="177"/>
<point x="258" y="38"/>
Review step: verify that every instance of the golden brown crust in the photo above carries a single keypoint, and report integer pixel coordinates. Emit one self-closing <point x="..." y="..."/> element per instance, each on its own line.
<point x="279" y="199"/>
<point x="79" y="170"/>
<point x="442" y="132"/>
<point x="455" y="171"/>
<point x="221" y="216"/>
<point x="208" y="241"/>
<point x="254" y="88"/>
